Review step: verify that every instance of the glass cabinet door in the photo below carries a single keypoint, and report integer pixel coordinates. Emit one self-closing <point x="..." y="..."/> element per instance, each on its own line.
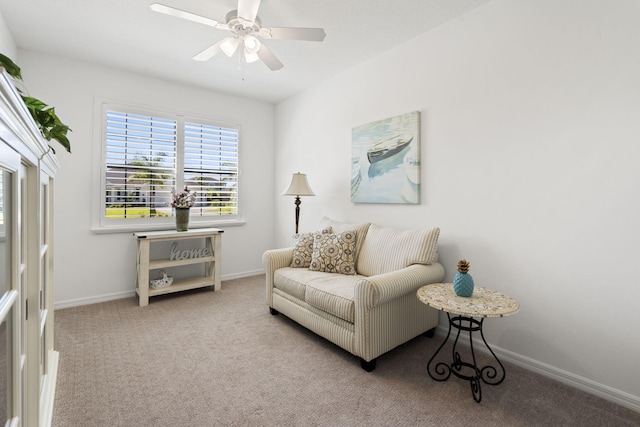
<point x="10" y="324"/>
<point x="6" y="371"/>
<point x="45" y="260"/>
<point x="23" y="287"/>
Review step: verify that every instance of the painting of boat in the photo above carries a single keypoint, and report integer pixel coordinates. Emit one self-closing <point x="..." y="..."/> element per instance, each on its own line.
<point x="356" y="176"/>
<point x="385" y="160"/>
<point x="411" y="163"/>
<point x="388" y="147"/>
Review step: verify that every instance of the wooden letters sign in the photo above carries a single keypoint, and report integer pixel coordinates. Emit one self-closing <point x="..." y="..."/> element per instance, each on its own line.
<point x="177" y="254"/>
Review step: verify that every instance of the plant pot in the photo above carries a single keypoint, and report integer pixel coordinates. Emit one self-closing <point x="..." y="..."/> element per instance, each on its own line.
<point x="182" y="219"/>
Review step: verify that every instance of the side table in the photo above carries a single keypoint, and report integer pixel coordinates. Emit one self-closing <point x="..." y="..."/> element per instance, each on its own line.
<point x="209" y="258"/>
<point x="483" y="303"/>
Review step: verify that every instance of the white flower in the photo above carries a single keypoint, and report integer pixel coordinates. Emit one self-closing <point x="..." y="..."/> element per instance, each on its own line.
<point x="184" y="199"/>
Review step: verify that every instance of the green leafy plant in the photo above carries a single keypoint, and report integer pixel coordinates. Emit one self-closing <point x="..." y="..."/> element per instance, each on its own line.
<point x="149" y="172"/>
<point x="44" y="115"/>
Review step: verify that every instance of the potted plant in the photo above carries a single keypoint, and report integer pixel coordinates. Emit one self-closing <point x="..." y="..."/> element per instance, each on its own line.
<point x="182" y="202"/>
<point x="44" y="115"/>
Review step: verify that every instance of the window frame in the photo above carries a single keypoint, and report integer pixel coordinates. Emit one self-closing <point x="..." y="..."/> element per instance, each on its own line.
<point x="101" y="224"/>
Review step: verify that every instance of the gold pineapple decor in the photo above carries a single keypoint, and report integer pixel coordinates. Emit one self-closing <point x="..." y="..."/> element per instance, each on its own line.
<point x="463" y="266"/>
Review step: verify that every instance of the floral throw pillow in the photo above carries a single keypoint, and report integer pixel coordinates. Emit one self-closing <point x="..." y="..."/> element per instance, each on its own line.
<point x="303" y="247"/>
<point x="334" y="253"/>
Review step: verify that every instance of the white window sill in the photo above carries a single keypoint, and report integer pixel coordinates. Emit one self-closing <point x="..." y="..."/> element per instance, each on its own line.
<point x="130" y="228"/>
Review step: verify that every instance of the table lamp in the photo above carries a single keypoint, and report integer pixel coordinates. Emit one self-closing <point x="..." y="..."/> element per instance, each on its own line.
<point x="298" y="187"/>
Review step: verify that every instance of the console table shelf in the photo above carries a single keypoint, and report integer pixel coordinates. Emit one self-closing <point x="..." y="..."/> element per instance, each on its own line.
<point x="164" y="263"/>
<point x="144" y="264"/>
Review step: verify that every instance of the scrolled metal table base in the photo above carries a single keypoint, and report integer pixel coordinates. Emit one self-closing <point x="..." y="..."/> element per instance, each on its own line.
<point x="488" y="374"/>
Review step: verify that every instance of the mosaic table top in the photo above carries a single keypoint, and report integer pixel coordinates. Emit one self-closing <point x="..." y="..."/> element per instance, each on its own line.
<point x="483" y="302"/>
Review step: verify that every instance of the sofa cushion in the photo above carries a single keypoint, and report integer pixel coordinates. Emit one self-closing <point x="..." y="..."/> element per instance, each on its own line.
<point x="334" y="253"/>
<point x="339" y="227"/>
<point x="303" y="248"/>
<point x="330" y="292"/>
<point x="388" y="249"/>
<point x="333" y="294"/>
<point x="293" y="280"/>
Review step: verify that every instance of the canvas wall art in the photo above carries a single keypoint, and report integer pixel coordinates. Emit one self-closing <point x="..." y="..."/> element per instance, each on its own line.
<point x="385" y="160"/>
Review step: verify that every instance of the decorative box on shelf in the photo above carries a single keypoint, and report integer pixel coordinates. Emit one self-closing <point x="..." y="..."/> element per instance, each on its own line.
<point x="209" y="256"/>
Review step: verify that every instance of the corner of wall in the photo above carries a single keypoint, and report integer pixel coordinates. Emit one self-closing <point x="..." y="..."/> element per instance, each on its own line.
<point x="8" y="45"/>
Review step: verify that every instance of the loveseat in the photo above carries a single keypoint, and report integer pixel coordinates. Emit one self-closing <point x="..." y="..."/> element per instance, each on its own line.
<point x="355" y="285"/>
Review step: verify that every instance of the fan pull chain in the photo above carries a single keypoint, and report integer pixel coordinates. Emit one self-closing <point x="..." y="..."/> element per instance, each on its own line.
<point x="241" y="66"/>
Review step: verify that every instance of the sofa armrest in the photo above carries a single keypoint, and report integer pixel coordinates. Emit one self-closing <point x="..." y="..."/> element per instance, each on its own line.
<point x="375" y="290"/>
<point x="277" y="258"/>
<point x="272" y="260"/>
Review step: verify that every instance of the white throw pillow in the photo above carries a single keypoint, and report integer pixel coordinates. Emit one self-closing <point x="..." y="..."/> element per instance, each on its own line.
<point x="388" y="249"/>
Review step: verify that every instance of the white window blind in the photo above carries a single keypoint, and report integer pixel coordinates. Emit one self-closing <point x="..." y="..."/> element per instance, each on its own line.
<point x="146" y="157"/>
<point x="211" y="168"/>
<point x="140" y="165"/>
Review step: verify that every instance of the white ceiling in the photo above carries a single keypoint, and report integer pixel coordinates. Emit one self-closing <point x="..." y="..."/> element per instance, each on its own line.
<point x="126" y="34"/>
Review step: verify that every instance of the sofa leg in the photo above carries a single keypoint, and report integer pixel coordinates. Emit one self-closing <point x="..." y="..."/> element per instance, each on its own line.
<point x="368" y="366"/>
<point x="273" y="311"/>
<point x="430" y="333"/>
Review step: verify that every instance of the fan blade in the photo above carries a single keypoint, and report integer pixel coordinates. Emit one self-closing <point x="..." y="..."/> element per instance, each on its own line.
<point x="269" y="58"/>
<point x="248" y="9"/>
<point x="309" y="34"/>
<point x="209" y="52"/>
<point x="171" y="11"/>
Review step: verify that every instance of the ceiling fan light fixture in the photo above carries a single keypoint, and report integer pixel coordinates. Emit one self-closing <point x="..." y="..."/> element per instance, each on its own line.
<point x="251" y="44"/>
<point x="250" y="57"/>
<point x="229" y="46"/>
<point x="251" y="48"/>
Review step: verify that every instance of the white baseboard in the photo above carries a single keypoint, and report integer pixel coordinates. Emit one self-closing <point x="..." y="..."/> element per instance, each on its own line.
<point x="584" y="384"/>
<point x="57" y="305"/>
<point x="588" y="386"/>
<point x="242" y="275"/>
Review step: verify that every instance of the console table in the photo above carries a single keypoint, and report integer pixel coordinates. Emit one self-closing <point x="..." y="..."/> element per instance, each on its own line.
<point x="483" y="303"/>
<point x="144" y="265"/>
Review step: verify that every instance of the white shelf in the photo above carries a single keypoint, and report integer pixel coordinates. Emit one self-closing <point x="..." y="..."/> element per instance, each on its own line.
<point x="181" y="285"/>
<point x="144" y="265"/>
<point x="164" y="263"/>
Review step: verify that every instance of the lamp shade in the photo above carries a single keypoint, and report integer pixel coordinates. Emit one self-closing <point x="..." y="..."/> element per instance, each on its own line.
<point x="299" y="186"/>
<point x="229" y="46"/>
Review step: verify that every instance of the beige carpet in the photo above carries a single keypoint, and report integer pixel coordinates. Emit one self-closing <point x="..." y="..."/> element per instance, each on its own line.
<point x="207" y="358"/>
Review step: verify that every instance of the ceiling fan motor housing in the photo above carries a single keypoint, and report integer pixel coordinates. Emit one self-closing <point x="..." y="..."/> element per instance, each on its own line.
<point x="241" y="26"/>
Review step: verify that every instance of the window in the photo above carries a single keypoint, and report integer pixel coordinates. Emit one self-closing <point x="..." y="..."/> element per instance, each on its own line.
<point x="146" y="156"/>
<point x="211" y="168"/>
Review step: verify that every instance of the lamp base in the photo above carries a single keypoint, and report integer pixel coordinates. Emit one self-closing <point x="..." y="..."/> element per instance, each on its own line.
<point x="297" y="202"/>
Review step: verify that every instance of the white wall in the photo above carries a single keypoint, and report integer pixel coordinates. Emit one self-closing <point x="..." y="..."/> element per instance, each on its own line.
<point x="530" y="142"/>
<point x="7" y="44"/>
<point x="91" y="267"/>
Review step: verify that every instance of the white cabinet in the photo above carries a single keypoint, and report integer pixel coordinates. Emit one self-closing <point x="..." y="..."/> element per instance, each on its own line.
<point x="28" y="362"/>
<point x="209" y="256"/>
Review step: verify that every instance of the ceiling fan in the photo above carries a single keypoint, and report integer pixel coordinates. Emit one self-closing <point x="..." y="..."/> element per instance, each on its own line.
<point x="245" y="28"/>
